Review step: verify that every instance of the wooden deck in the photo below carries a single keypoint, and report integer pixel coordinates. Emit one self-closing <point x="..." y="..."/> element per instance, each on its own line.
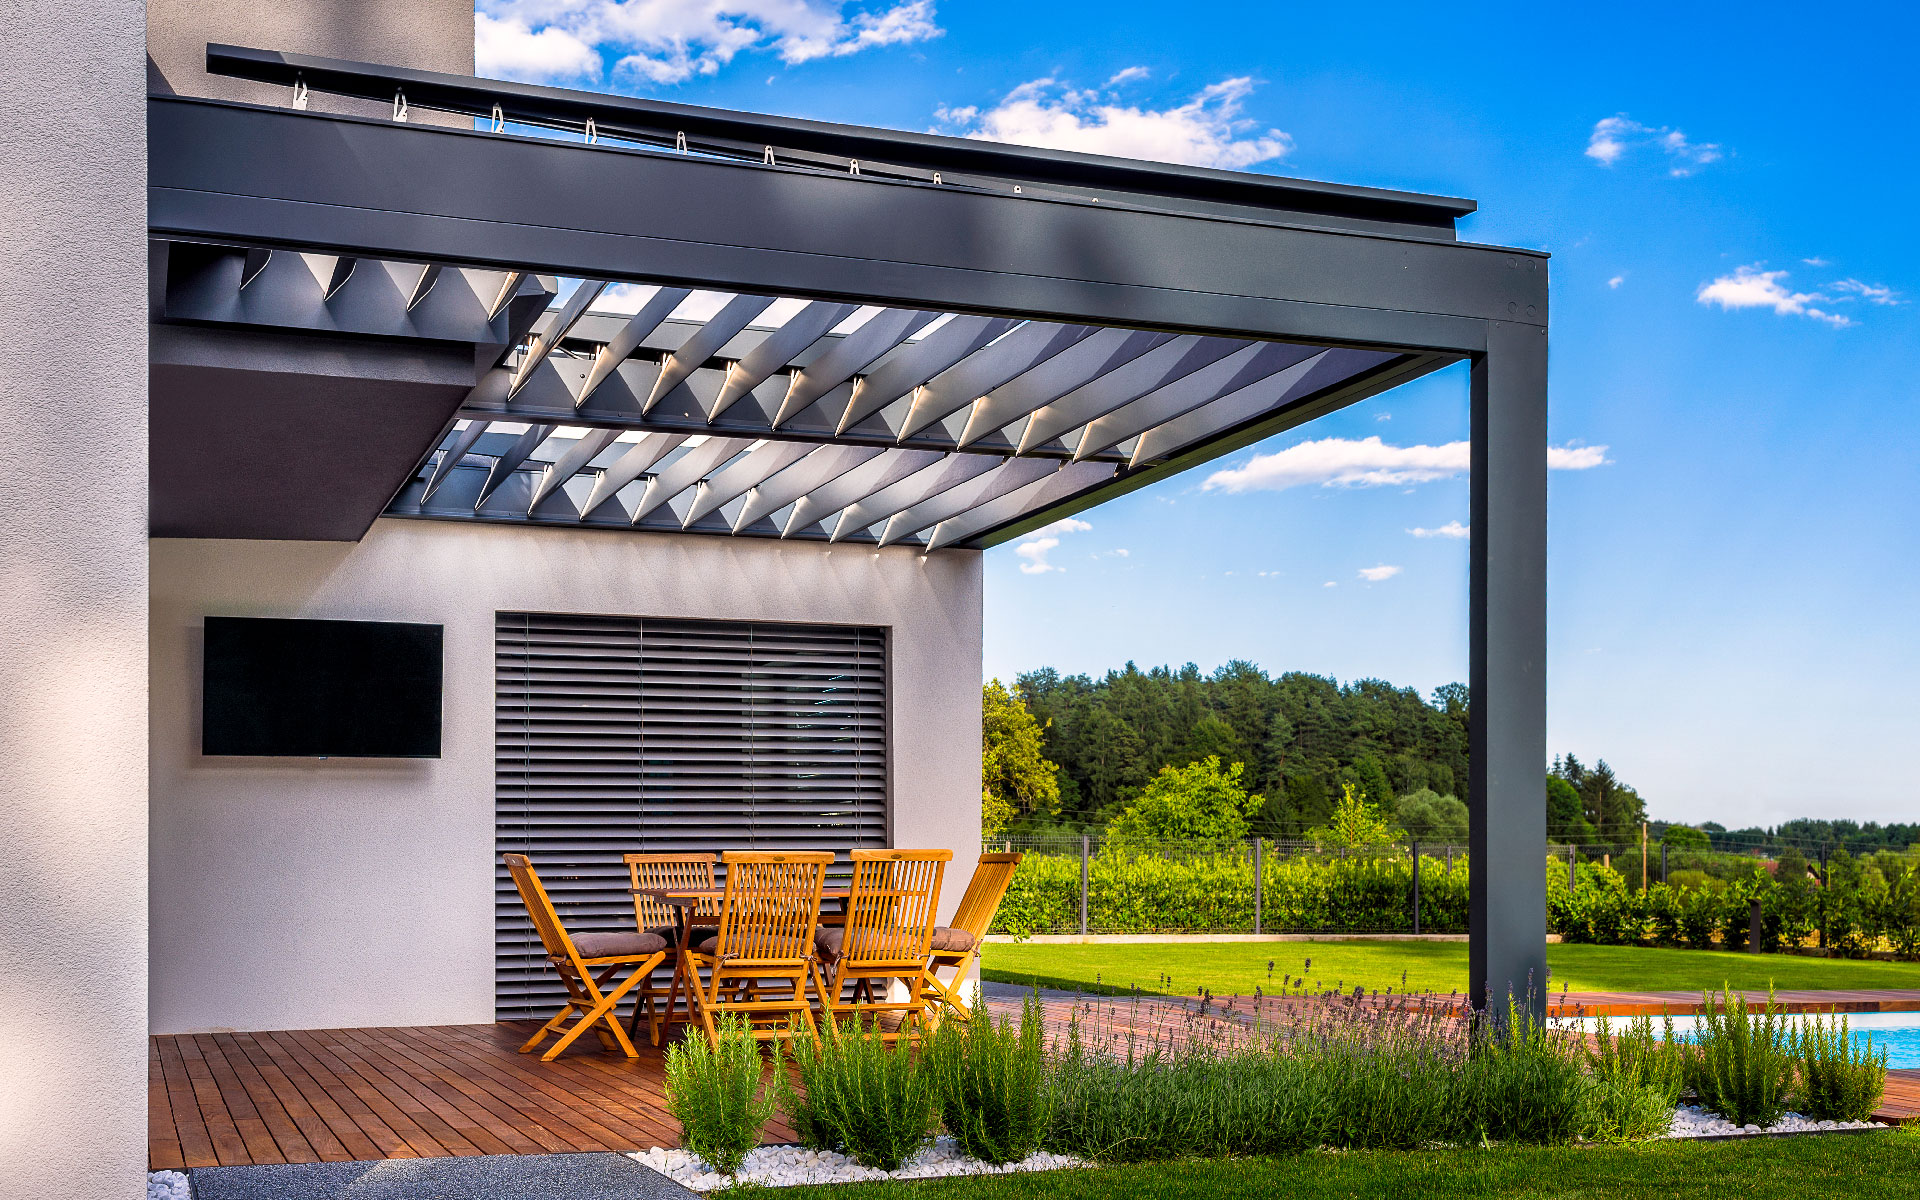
<point x="359" y="1094"/>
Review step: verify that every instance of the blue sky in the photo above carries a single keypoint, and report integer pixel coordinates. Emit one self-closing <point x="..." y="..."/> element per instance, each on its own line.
<point x="1728" y="198"/>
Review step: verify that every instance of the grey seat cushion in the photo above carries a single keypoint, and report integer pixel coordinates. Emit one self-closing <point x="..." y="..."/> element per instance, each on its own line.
<point x="618" y="945"/>
<point x="829" y="939"/>
<point x="948" y="940"/>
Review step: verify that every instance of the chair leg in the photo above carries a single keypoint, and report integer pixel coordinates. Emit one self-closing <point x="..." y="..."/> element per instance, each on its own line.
<point x="604" y="1011"/>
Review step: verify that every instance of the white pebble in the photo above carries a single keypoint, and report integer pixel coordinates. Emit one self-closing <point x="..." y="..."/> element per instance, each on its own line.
<point x="785" y="1166"/>
<point x="167" y="1185"/>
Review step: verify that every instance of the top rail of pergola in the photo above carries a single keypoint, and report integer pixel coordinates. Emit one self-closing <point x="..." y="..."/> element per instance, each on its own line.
<point x="841" y="333"/>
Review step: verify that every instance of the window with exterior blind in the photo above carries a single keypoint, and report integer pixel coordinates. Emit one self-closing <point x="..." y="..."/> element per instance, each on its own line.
<point x="619" y="734"/>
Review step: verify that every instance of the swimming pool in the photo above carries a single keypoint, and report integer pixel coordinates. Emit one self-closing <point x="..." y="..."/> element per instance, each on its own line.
<point x="1899" y="1033"/>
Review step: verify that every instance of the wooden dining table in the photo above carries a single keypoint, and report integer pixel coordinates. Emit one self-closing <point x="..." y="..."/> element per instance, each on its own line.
<point x="685" y="902"/>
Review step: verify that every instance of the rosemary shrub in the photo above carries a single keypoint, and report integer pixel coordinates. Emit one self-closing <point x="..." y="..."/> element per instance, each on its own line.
<point x="1838" y="1081"/>
<point x="715" y="1094"/>
<point x="991" y="1083"/>
<point x="858" y="1095"/>
<point x="1636" y="1056"/>
<point x="1741" y="1066"/>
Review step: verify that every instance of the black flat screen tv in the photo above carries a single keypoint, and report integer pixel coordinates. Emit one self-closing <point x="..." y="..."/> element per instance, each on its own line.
<point x="320" y="689"/>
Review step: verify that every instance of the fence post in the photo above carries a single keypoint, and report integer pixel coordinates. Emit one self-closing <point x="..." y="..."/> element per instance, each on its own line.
<point x="1083" y="883"/>
<point x="1572" y="880"/>
<point x="1416" y="889"/>
<point x="1663" y="861"/>
<point x="1259" y="893"/>
<point x="1449" y="858"/>
<point x="1823" y="897"/>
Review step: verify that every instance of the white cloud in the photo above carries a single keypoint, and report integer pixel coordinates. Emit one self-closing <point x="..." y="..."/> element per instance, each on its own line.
<point x="1122" y="552"/>
<point x="1063" y="525"/>
<point x="508" y="49"/>
<point x="1614" y="137"/>
<point x="1370" y="462"/>
<point x="1128" y="75"/>
<point x="1206" y="131"/>
<point x="1378" y="574"/>
<point x="1035" y="553"/>
<point x="1751" y="287"/>
<point x="1816" y="262"/>
<point x="1329" y="583"/>
<point x="1574" y="457"/>
<point x="1616" y="281"/>
<point x="1452" y="529"/>
<point x="1874" y="293"/>
<point x="669" y="41"/>
<point x="1035" y="546"/>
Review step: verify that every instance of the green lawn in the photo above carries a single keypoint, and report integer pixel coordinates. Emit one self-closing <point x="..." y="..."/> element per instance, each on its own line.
<point x="1238" y="967"/>
<point x="1859" y="1167"/>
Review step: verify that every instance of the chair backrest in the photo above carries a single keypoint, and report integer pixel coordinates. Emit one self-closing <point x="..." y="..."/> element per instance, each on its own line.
<point x="891" y="905"/>
<point x="771" y="905"/>
<point x="692" y="872"/>
<point x="533" y="894"/>
<point x="984" y="892"/>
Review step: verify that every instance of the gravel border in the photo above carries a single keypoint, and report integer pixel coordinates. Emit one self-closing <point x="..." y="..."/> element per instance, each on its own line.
<point x="787" y="1166"/>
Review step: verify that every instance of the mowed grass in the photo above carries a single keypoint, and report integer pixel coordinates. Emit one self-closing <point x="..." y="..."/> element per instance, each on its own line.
<point x="1228" y="968"/>
<point x="1858" y="1166"/>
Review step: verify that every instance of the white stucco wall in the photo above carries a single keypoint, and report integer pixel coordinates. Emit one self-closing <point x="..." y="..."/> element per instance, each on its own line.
<point x="73" y="600"/>
<point x="304" y="894"/>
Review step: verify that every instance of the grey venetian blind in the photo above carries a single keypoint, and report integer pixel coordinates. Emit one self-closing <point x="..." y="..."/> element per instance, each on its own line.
<point x="618" y="734"/>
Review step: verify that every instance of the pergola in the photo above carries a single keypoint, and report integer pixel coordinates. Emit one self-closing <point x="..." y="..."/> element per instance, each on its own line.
<point x="789" y="329"/>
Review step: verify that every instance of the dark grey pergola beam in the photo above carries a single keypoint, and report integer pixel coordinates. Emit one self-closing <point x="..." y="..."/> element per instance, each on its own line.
<point x="1370" y="289"/>
<point x="248" y="175"/>
<point x="751" y="137"/>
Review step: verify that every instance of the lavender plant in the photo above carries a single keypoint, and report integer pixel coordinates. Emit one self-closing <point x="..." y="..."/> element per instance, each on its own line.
<point x="991" y="1082"/>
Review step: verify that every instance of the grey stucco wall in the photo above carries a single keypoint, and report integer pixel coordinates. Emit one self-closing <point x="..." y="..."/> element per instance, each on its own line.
<point x="73" y="600"/>
<point x="303" y="894"/>
<point x="433" y="35"/>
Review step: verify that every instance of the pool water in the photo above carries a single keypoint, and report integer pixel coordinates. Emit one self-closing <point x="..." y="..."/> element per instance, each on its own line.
<point x="1897" y="1033"/>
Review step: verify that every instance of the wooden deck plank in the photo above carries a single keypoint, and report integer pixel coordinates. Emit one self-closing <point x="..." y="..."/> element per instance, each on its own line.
<point x="369" y="1094"/>
<point x="362" y="1134"/>
<point x="229" y="1145"/>
<point x="189" y="1124"/>
<point x="288" y="1138"/>
<point x="396" y="1091"/>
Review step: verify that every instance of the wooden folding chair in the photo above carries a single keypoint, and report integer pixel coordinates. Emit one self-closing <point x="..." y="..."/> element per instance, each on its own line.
<point x="576" y="959"/>
<point x="768" y="915"/>
<point x="891" y="909"/>
<point x="956" y="945"/>
<point x="692" y="872"/>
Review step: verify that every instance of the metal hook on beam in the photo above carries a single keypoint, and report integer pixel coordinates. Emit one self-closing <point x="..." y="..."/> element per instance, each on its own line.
<point x="399" y="105"/>
<point x="680" y="142"/>
<point x="593" y="132"/>
<point x="499" y="119"/>
<point x="768" y="159"/>
<point x="299" y="93"/>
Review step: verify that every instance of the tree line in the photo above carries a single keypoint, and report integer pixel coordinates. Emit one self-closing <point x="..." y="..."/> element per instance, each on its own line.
<point x="1303" y="741"/>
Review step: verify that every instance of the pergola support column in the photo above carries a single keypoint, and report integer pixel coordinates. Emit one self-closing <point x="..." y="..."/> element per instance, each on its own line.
<point x="1507" y="671"/>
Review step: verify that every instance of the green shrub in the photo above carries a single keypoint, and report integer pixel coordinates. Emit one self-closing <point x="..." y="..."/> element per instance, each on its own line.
<point x="1520" y="1083"/>
<point x="1741" y="1065"/>
<point x="1838" y="1080"/>
<point x="875" y="1103"/>
<point x="1616" y="1112"/>
<point x="1390" y="1088"/>
<point x="990" y="1082"/>
<point x="716" y="1096"/>
<point x="1636" y="1057"/>
<point x="1700" y="917"/>
<point x="1187" y="1101"/>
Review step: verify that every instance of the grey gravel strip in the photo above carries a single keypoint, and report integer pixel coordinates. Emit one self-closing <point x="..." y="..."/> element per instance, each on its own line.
<point x="493" y="1177"/>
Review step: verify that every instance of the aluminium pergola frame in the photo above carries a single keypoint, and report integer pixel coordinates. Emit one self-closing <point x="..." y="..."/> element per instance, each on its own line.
<point x="971" y="341"/>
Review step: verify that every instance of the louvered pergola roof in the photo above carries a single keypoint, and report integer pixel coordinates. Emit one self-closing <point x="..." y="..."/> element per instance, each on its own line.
<point x="629" y="389"/>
